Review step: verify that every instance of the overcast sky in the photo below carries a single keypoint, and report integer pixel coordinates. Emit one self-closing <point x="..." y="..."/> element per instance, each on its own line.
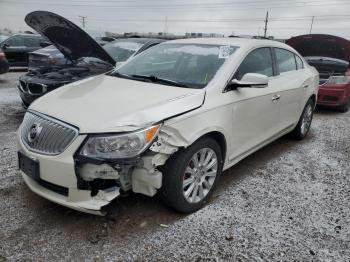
<point x="241" y="17"/>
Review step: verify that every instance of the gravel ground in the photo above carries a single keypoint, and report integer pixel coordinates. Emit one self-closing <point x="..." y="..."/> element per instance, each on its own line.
<point x="289" y="201"/>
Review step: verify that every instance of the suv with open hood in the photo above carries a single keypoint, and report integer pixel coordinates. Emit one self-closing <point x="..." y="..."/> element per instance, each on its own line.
<point x="77" y="55"/>
<point x="330" y="55"/>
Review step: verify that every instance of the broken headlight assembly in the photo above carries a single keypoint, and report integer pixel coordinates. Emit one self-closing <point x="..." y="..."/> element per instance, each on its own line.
<point x="117" y="146"/>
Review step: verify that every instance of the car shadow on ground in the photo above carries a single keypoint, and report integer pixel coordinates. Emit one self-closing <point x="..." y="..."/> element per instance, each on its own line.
<point x="327" y="110"/>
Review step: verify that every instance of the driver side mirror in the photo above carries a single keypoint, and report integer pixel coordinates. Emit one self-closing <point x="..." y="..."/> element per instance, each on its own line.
<point x="250" y="80"/>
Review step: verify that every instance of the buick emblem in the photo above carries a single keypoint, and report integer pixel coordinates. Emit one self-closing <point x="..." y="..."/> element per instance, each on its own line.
<point x="34" y="132"/>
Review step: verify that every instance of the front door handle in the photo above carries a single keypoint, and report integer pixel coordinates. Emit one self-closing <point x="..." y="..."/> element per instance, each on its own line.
<point x="276" y="97"/>
<point x="305" y="85"/>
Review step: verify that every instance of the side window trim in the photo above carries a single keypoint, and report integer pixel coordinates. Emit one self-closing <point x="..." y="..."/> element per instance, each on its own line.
<point x="301" y="60"/>
<point x="274" y="62"/>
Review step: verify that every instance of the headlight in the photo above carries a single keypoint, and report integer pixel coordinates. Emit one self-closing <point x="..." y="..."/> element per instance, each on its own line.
<point x="119" y="145"/>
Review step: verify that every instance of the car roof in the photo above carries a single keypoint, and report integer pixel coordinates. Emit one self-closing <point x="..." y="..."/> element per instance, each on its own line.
<point x="140" y="40"/>
<point x="233" y="41"/>
<point x="34" y="35"/>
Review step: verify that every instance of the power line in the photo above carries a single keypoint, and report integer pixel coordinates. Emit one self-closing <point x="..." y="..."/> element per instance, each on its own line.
<point x="225" y="20"/>
<point x="222" y="20"/>
<point x="249" y="5"/>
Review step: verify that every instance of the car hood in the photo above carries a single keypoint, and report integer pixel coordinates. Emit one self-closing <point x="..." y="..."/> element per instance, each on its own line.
<point x="72" y="41"/>
<point x="321" y="45"/>
<point x="110" y="104"/>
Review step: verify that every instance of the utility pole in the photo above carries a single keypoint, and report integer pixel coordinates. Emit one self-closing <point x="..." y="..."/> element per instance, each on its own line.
<point x="165" y="26"/>
<point x="312" y="23"/>
<point x="83" y="20"/>
<point x="266" y="21"/>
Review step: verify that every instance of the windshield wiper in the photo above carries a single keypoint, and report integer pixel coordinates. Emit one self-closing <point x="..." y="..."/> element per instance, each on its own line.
<point x="157" y="79"/>
<point x="117" y="74"/>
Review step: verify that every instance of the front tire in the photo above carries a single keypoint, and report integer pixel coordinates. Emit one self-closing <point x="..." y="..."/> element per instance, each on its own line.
<point x="190" y="175"/>
<point x="304" y="123"/>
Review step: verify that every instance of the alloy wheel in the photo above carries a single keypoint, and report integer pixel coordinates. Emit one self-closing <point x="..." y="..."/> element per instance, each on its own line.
<point x="200" y="175"/>
<point x="306" y="120"/>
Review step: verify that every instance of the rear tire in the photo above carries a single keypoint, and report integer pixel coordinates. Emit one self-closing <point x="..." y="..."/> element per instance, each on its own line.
<point x="344" y="108"/>
<point x="304" y="123"/>
<point x="188" y="183"/>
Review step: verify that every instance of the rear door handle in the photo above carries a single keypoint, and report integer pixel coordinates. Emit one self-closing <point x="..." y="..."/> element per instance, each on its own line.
<point x="276" y="97"/>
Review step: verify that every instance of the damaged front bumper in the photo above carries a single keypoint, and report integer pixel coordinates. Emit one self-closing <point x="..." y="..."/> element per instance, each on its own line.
<point x="71" y="181"/>
<point x="60" y="180"/>
<point x="80" y="200"/>
<point x="57" y="181"/>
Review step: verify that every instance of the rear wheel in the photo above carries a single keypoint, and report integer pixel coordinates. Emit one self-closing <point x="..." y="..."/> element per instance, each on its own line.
<point x="190" y="175"/>
<point x="345" y="108"/>
<point x="304" y="123"/>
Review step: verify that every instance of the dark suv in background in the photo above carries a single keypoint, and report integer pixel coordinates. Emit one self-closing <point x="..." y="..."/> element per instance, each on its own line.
<point x="17" y="47"/>
<point x="75" y="55"/>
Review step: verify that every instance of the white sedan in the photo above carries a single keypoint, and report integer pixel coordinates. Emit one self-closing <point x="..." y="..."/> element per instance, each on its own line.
<point x="169" y="122"/>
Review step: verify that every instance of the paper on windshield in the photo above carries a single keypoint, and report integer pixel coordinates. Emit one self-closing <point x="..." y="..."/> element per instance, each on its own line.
<point x="224" y="51"/>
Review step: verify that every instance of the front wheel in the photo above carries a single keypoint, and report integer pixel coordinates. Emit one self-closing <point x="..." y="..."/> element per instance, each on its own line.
<point x="304" y="123"/>
<point x="190" y="175"/>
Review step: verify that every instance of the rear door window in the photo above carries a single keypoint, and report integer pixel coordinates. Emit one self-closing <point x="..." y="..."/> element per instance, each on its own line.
<point x="285" y="60"/>
<point x="258" y="61"/>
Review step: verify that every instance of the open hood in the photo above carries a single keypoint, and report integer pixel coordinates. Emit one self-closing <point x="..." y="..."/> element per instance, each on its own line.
<point x="321" y="45"/>
<point x="109" y="104"/>
<point x="72" y="41"/>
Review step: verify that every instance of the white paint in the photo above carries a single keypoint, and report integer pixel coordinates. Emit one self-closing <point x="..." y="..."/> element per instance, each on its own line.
<point x="247" y="117"/>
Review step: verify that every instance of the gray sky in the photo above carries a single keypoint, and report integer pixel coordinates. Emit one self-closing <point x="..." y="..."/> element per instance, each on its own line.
<point x="242" y="17"/>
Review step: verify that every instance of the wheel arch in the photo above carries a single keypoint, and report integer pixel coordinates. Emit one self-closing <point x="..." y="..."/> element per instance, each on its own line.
<point x="220" y="139"/>
<point x="313" y="98"/>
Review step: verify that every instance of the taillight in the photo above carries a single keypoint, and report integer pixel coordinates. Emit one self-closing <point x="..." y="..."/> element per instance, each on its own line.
<point x="2" y="55"/>
<point x="339" y="80"/>
<point x="347" y="73"/>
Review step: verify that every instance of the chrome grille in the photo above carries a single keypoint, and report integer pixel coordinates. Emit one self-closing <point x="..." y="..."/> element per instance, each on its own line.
<point x="46" y="135"/>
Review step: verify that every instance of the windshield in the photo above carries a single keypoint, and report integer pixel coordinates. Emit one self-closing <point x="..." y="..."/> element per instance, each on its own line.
<point x="187" y="65"/>
<point x="122" y="50"/>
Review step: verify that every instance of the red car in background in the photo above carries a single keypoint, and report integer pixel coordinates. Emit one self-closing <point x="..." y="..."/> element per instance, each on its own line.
<point x="330" y="55"/>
